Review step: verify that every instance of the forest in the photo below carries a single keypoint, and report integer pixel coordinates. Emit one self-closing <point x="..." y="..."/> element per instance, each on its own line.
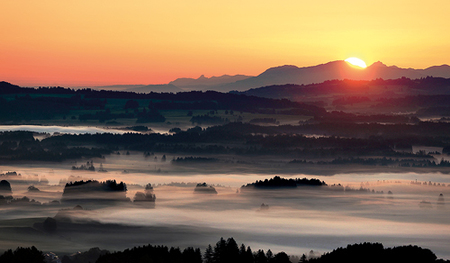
<point x="228" y="250"/>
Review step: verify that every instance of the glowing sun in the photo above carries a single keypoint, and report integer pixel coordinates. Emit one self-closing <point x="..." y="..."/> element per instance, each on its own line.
<point x="356" y="62"/>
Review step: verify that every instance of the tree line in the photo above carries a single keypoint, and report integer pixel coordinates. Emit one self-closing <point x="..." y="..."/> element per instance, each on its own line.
<point x="231" y="138"/>
<point x="226" y="251"/>
<point x="210" y="100"/>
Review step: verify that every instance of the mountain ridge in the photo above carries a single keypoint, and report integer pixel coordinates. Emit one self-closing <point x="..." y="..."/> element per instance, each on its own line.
<point x="339" y="69"/>
<point x="202" y="81"/>
<point x="287" y="74"/>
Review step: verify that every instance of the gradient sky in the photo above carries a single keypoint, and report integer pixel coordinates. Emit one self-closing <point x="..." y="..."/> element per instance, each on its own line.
<point x="99" y="42"/>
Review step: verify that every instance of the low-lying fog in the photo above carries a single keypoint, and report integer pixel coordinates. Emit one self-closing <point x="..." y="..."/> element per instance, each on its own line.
<point x="51" y="129"/>
<point x="397" y="211"/>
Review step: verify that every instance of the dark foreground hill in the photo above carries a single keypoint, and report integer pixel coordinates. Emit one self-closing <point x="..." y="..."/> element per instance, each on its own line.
<point x="378" y="87"/>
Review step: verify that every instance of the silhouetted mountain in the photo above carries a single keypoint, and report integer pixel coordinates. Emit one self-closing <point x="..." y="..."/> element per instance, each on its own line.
<point x="7" y="88"/>
<point x="289" y="74"/>
<point x="204" y="83"/>
<point x="334" y="70"/>
<point x="380" y="70"/>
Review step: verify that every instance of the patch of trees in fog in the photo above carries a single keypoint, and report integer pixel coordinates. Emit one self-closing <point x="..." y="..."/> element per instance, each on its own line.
<point x="278" y="182"/>
<point x="6" y="193"/>
<point x="203" y="188"/>
<point x="23" y="201"/>
<point x="109" y="189"/>
<point x="146" y="197"/>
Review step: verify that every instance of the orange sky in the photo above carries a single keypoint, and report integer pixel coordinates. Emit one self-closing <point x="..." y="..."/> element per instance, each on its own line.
<point x="99" y="42"/>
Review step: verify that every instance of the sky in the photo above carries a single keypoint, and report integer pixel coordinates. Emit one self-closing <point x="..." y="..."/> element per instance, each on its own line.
<point x="99" y="42"/>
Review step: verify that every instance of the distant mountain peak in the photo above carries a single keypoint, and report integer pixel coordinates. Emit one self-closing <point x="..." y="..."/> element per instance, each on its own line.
<point x="281" y="68"/>
<point x="378" y="64"/>
<point x="443" y="66"/>
<point x="202" y="81"/>
<point x="276" y="70"/>
<point x="284" y="67"/>
<point x="334" y="62"/>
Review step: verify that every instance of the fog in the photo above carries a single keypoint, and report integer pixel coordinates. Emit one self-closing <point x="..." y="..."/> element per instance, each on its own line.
<point x="296" y="221"/>
<point x="51" y="129"/>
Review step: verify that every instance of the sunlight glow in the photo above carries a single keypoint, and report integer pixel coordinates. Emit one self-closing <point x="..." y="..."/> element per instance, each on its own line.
<point x="356" y="62"/>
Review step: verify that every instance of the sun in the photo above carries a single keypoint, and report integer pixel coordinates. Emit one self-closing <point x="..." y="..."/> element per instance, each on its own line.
<point x="356" y="62"/>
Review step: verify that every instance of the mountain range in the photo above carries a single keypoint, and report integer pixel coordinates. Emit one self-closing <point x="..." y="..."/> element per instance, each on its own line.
<point x="289" y="74"/>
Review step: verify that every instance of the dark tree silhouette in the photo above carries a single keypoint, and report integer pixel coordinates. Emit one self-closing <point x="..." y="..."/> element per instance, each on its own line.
<point x="92" y="190"/>
<point x="193" y="255"/>
<point x="281" y="257"/>
<point x="22" y="255"/>
<point x="157" y="254"/>
<point x="204" y="189"/>
<point x="278" y="182"/>
<point x="209" y="255"/>
<point x="5" y="187"/>
<point x="375" y="252"/>
<point x="260" y="256"/>
<point x="245" y="255"/>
